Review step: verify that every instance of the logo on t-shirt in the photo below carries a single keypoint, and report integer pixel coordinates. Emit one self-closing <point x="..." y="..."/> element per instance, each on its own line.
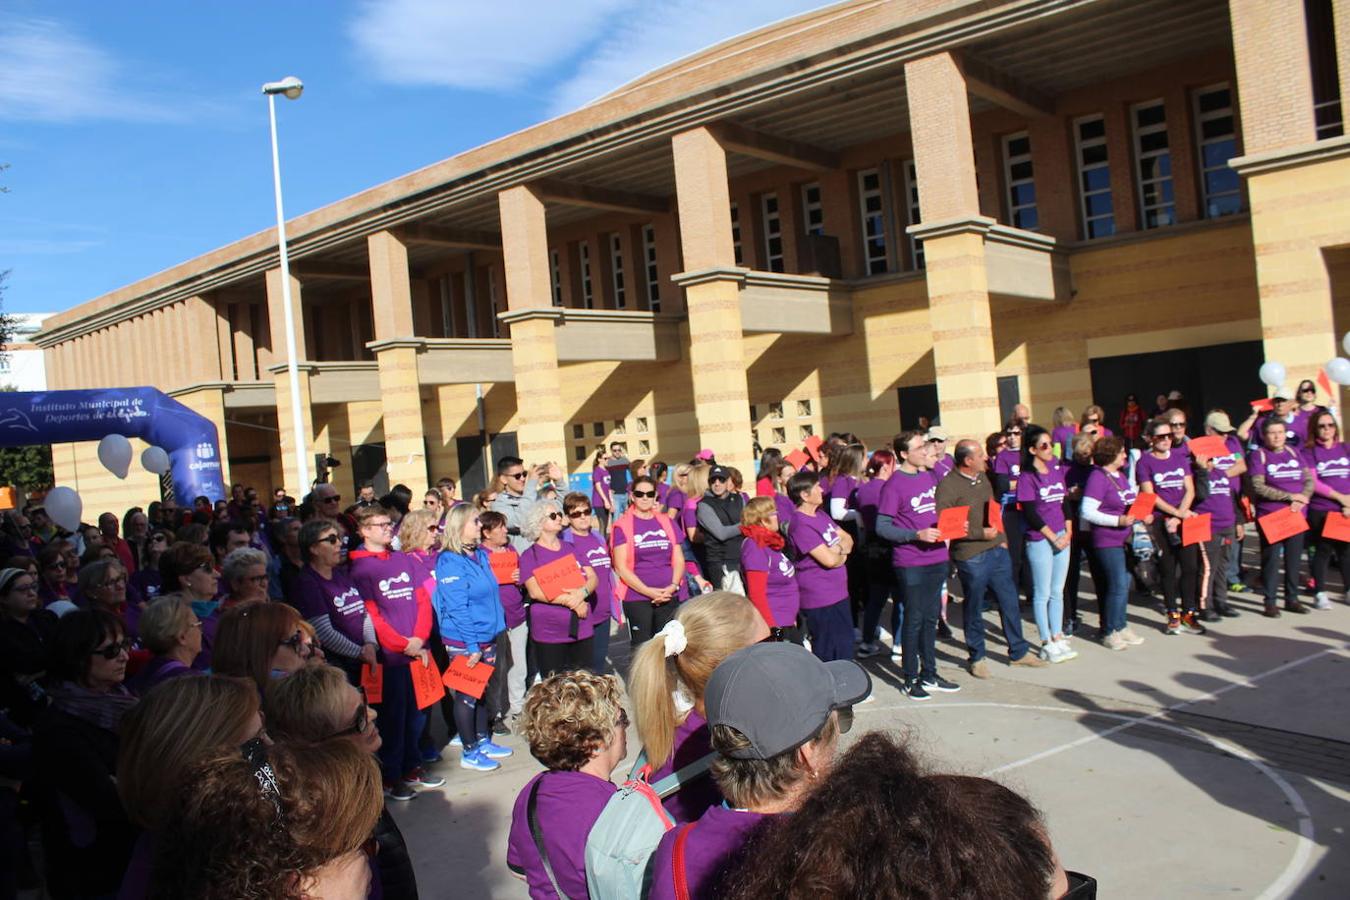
<point x="597" y="557"/>
<point x="1172" y="478"/>
<point x="785" y="567"/>
<point x="349" y="602"/>
<point x="651" y="540"/>
<point x="1050" y="493"/>
<point x="1284" y="471"/>
<point x="387" y="583"/>
<point x="925" y="502"/>
<point x="1339" y="467"/>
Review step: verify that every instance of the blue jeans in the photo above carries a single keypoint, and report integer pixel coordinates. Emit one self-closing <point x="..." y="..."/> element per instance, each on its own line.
<point x="990" y="572"/>
<point x="400" y="724"/>
<point x="620" y="504"/>
<point x="1049" y="568"/>
<point x="831" y="630"/>
<point x="1116" y="595"/>
<point x="923" y="605"/>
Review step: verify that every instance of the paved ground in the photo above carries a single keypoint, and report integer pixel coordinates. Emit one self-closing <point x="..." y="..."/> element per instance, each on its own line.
<point x="1190" y="766"/>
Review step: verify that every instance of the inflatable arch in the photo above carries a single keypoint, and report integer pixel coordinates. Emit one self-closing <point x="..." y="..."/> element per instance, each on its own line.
<point x="56" y="417"/>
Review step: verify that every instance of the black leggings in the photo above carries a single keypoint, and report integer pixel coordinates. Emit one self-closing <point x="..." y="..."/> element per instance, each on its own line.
<point x="1080" y="548"/>
<point x="569" y="657"/>
<point x="1172" y="557"/>
<point x="646" y="619"/>
<point x="1270" y="568"/>
<point x="1326" y="550"/>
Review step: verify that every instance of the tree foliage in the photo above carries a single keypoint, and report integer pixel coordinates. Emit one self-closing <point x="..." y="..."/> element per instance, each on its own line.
<point x="27" y="467"/>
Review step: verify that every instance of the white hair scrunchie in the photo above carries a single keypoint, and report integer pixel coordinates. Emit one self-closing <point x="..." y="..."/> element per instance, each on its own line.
<point x="673" y="633"/>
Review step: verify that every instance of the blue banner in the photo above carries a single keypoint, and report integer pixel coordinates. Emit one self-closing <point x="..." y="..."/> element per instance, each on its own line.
<point x="58" y="417"/>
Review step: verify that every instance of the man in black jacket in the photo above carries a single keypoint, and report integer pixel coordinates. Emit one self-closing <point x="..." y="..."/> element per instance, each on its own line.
<point x="719" y="521"/>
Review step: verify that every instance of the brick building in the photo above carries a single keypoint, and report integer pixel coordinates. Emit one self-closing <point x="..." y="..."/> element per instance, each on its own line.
<point x="840" y="222"/>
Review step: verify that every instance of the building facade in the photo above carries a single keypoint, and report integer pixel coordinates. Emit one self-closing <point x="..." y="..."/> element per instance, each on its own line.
<point x="23" y="364"/>
<point x="838" y="223"/>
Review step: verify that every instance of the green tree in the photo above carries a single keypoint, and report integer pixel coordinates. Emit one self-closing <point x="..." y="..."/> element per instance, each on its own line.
<point x="27" y="467"/>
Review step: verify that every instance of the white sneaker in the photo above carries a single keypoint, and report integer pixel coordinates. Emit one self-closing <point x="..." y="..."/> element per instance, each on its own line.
<point x="1323" y="601"/>
<point x="1129" y="637"/>
<point x="1051" y="653"/>
<point x="1114" y="641"/>
<point x="1065" y="651"/>
<point x="897" y="652"/>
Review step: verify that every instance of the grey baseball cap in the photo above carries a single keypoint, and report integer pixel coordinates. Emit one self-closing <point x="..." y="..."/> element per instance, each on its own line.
<point x="779" y="695"/>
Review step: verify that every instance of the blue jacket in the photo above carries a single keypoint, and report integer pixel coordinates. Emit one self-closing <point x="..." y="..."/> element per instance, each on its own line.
<point x="468" y="607"/>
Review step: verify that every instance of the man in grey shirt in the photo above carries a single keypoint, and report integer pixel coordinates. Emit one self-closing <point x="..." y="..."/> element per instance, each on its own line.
<point x="519" y="492"/>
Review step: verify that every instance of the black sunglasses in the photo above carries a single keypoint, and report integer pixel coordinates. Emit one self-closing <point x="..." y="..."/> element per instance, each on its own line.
<point x="113" y="650"/>
<point x="333" y="499"/>
<point x="331" y="539"/>
<point x="516" y="475"/>
<point x="298" y="645"/>
<point x="1081" y="887"/>
<point x="360" y="721"/>
<point x="578" y="514"/>
<point x="555" y="515"/>
<point x="644" y="493"/>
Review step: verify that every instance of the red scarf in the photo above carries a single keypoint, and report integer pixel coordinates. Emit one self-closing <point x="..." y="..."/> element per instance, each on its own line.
<point x="763" y="536"/>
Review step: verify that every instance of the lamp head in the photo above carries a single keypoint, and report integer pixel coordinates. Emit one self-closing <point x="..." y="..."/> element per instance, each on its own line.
<point x="290" y="86"/>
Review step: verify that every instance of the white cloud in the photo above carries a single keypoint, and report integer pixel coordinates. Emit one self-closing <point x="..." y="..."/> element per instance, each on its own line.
<point x="571" y="52"/>
<point x="483" y="45"/>
<point x="49" y="73"/>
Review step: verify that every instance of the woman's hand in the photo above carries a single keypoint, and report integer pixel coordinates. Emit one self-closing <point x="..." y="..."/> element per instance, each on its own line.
<point x="929" y="535"/>
<point x="473" y="659"/>
<point x="1061" y="541"/>
<point x="414" y="647"/>
<point x="368" y="654"/>
<point x="1125" y="521"/>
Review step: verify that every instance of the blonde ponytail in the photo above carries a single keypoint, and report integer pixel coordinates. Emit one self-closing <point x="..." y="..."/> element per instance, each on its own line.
<point x="716" y="625"/>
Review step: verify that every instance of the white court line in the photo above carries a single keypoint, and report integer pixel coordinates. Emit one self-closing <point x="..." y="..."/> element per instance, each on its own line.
<point x="1282" y="884"/>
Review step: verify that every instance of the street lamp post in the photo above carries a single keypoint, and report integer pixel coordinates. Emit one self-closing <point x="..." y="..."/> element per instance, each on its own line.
<point x="291" y="87"/>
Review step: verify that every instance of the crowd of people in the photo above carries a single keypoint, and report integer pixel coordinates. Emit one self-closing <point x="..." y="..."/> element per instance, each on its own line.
<point x="220" y="701"/>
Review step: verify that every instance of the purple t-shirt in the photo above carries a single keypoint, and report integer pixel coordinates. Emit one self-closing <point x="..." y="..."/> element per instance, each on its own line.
<point x="390" y="580"/>
<point x="1008" y="462"/>
<point x="783" y="506"/>
<point x="1219" y="503"/>
<point x="549" y="622"/>
<point x="674" y="500"/>
<point x="818" y="586"/>
<point x="512" y="597"/>
<point x="1168" y="474"/>
<point x="1062" y="437"/>
<point x="651" y="553"/>
<point x="1114" y="493"/>
<point x="842" y="488"/>
<point x="911" y="502"/>
<point x="866" y="501"/>
<point x="692" y="743"/>
<point x="1283" y="470"/>
<point x="338" y="598"/>
<point x="689" y="515"/>
<point x="1301" y="426"/>
<point x="567" y="806"/>
<point x="1047" y="494"/>
<point x="781" y="585"/>
<point x="593" y="552"/>
<point x="712" y="850"/>
<point x="600" y="492"/>
<point x="1332" y="467"/>
<point x="943" y="465"/>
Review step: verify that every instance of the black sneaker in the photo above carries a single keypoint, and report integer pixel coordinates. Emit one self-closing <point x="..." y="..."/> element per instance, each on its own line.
<point x="916" y="692"/>
<point x="500" y="727"/>
<point x="938" y="683"/>
<point x="1209" y="615"/>
<point x="944" y="630"/>
<point x="1296" y="607"/>
<point x="1229" y="612"/>
<point x="1271" y="612"/>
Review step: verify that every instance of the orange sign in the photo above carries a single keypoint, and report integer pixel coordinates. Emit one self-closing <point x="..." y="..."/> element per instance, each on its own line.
<point x="427" y="685"/>
<point x="797" y="459"/>
<point x="505" y="566"/>
<point x="954" y="522"/>
<point x="560" y="576"/>
<point x="1196" y="529"/>
<point x="1263" y="404"/>
<point x="466" y="679"/>
<point x="1282" y="523"/>
<point x="1142" y="507"/>
<point x="1212" y="445"/>
<point x="996" y="517"/>
<point x="1336" y="527"/>
<point x="812" y="446"/>
<point x="372" y="679"/>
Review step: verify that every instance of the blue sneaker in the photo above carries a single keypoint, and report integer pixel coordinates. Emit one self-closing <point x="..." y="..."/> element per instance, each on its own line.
<point x="485" y="747"/>
<point x="476" y="761"/>
<point x="456" y="743"/>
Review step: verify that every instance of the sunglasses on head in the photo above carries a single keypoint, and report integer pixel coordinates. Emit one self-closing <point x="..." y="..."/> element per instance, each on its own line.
<point x="622" y="721"/>
<point x="113" y="650"/>
<point x="644" y="493"/>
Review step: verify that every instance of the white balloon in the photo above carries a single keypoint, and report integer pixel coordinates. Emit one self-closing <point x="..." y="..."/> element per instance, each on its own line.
<point x="1338" y="370"/>
<point x="1272" y="373"/>
<point x="114" y="451"/>
<point x="65" y="507"/>
<point x="155" y="460"/>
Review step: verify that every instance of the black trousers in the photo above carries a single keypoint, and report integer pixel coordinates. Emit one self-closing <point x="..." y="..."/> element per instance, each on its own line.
<point x="1176" y="562"/>
<point x="1014" y="527"/>
<point x="645" y="619"/>
<point x="1328" y="550"/>
<point x="569" y="657"/>
<point x="1270" y="568"/>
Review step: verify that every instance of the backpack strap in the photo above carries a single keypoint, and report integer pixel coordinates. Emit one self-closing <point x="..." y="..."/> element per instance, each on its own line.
<point x="536" y="832"/>
<point x="679" y="778"/>
<point x="677" y="859"/>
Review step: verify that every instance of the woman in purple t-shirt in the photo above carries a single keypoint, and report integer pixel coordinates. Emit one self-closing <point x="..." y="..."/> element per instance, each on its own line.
<point x="666" y="682"/>
<point x="1223" y="477"/>
<point x="1107" y="496"/>
<point x="560" y="623"/>
<point x="602" y="498"/>
<point x="876" y="552"/>
<point x="768" y="574"/>
<point x="331" y="602"/>
<point x="590" y="546"/>
<point x="1329" y="458"/>
<point x="577" y="728"/>
<point x="1279" y="480"/>
<point x="1165" y="472"/>
<point x="820" y="553"/>
<point x="649" y="562"/>
<point x="1041" y="495"/>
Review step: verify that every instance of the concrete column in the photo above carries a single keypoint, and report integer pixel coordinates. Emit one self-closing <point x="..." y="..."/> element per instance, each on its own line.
<point x="1340" y="13"/>
<point x="711" y="289"/>
<point x="196" y="329"/>
<point x="534" y="347"/>
<point x="1270" y="49"/>
<point x="400" y="394"/>
<point x="281" y="378"/>
<point x="953" y="232"/>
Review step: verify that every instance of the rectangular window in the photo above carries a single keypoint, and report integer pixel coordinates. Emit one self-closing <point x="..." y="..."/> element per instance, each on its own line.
<point x="653" y="275"/>
<point x="616" y="271"/>
<point x="754" y="413"/>
<point x="1019" y="175"/>
<point x="579" y="452"/>
<point x="1320" y="23"/>
<point x="773" y="233"/>
<point x="598" y="429"/>
<point x="912" y="204"/>
<point x="1153" y="161"/>
<point x="804" y="431"/>
<point x="641" y="425"/>
<point x="1094" y="177"/>
<point x="584" y="266"/>
<point x="803" y="407"/>
<point x="780" y="435"/>
<point x="555" y="276"/>
<point x="872" y="209"/>
<point x="736" y="233"/>
<point x="813" y="213"/>
<point x="447" y="308"/>
<point x="776" y="410"/>
<point x="618" y="426"/>
<point x="645" y="447"/>
<point x="578" y="432"/>
<point x="1216" y="138"/>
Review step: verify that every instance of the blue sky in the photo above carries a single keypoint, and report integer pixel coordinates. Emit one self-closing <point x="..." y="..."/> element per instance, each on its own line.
<point x="137" y="137"/>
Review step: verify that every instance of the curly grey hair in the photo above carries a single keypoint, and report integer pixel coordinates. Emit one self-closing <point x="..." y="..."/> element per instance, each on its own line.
<point x="239" y="561"/>
<point x="533" y="525"/>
